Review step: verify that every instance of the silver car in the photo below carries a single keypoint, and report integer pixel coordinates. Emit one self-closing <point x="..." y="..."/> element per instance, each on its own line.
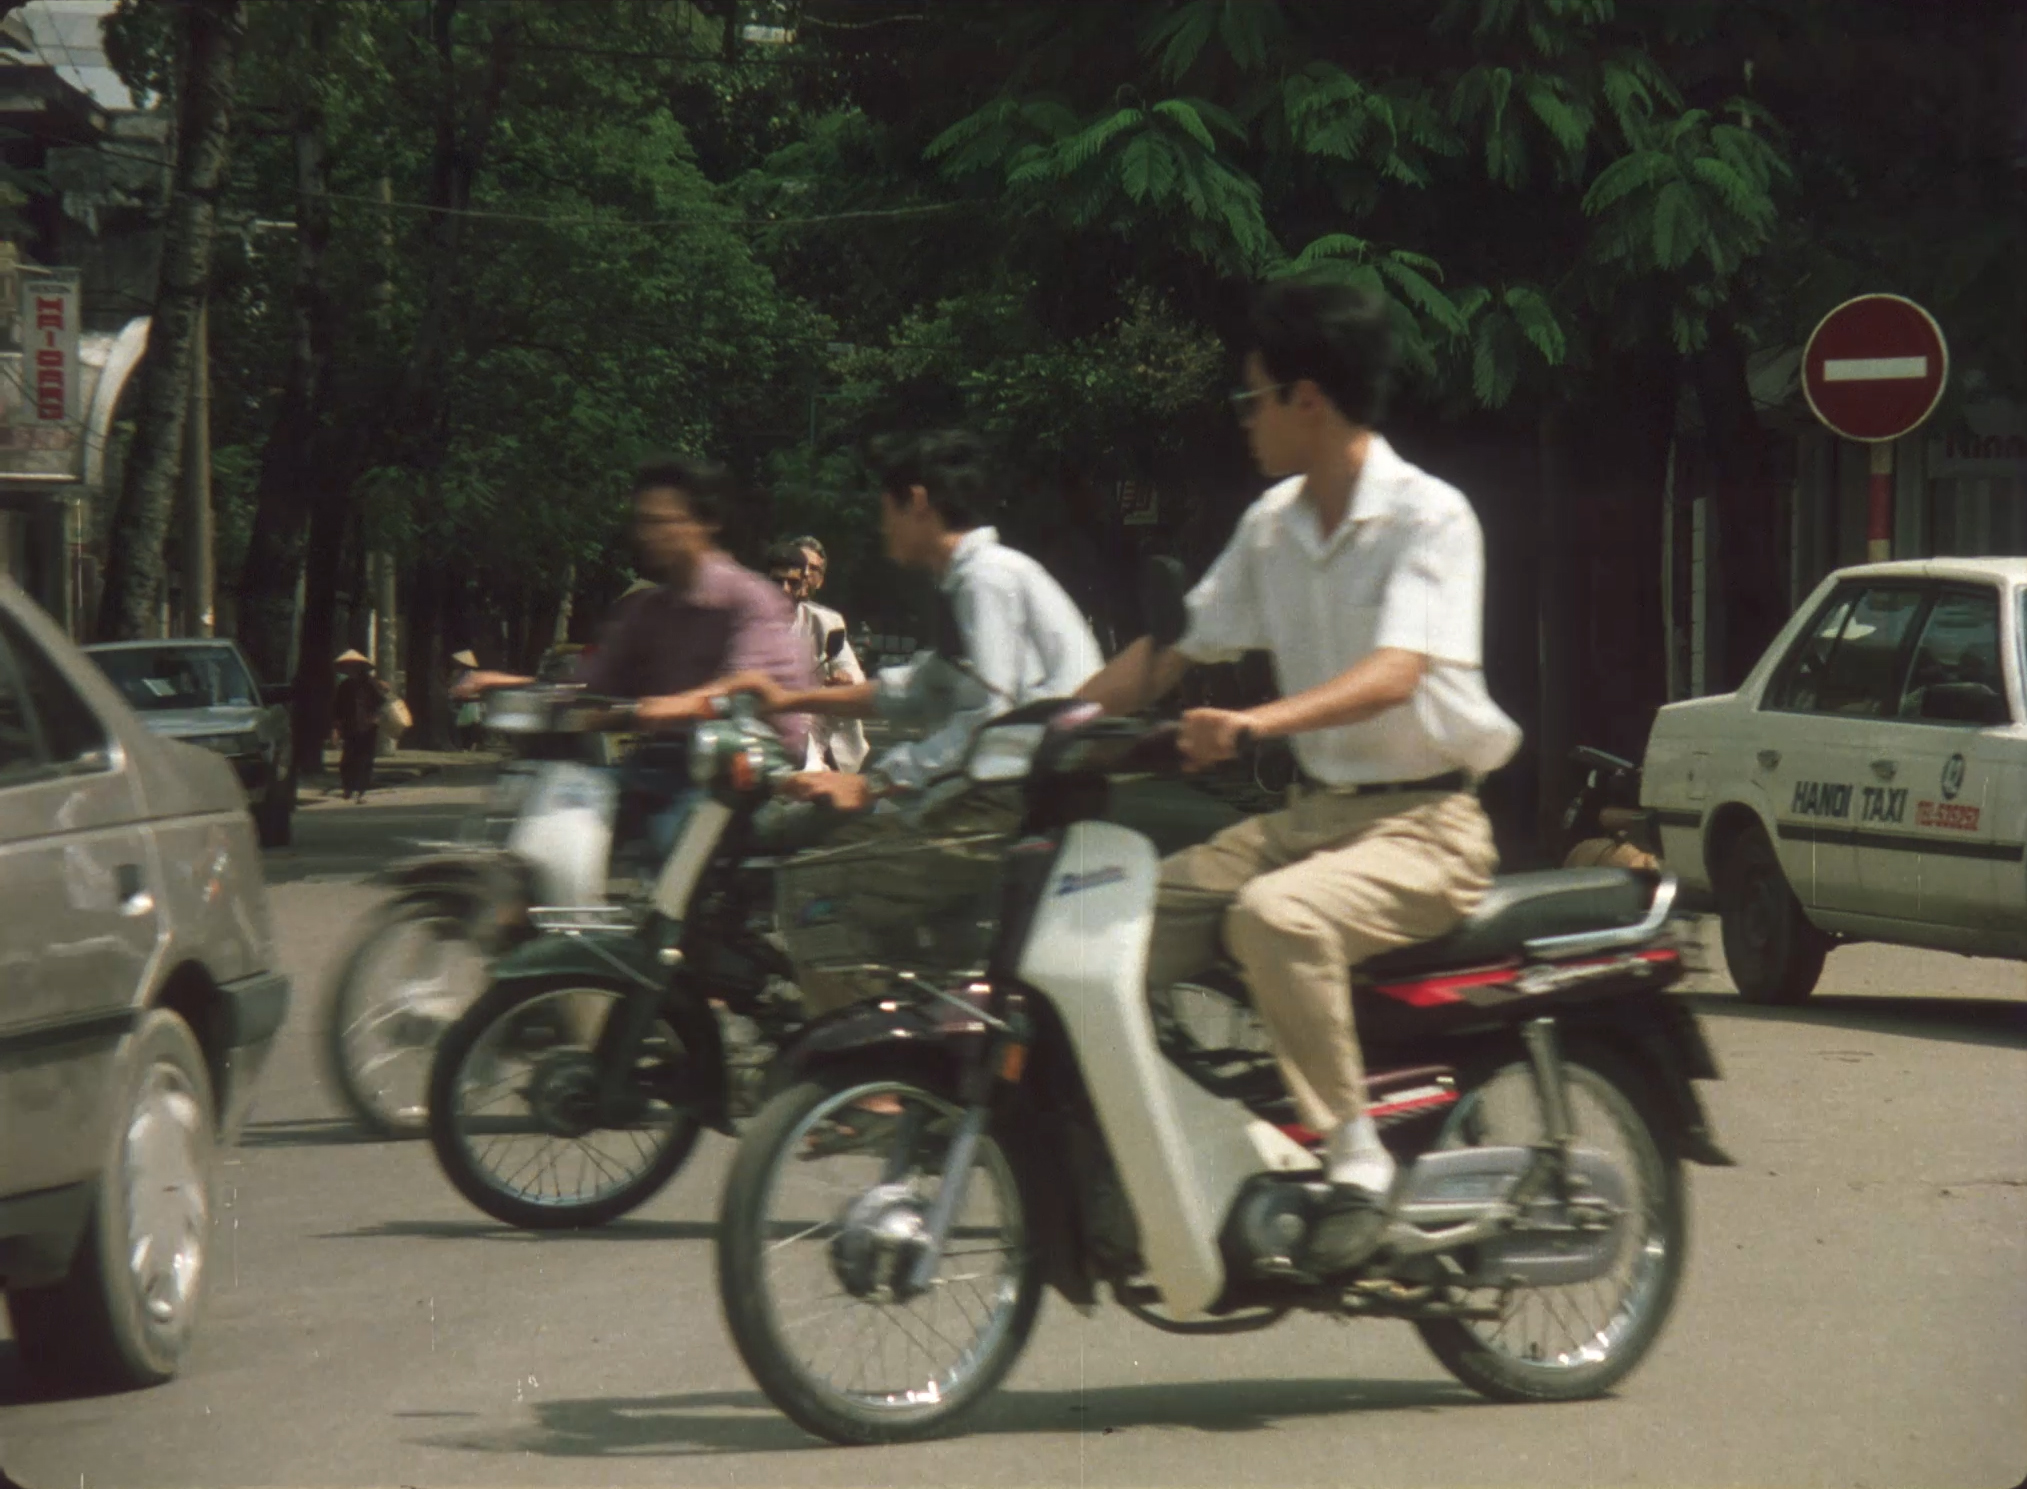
<point x="203" y="691"/>
<point x="138" y="1001"/>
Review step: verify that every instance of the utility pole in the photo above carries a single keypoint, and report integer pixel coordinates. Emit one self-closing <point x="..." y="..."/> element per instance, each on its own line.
<point x="200" y="576"/>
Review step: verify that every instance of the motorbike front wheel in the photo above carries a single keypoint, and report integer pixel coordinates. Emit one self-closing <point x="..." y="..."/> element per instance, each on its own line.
<point x="412" y="969"/>
<point x="514" y="1114"/>
<point x="1569" y="1342"/>
<point x="822" y="1218"/>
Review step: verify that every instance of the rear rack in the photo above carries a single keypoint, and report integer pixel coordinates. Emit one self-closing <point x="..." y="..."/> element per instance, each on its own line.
<point x="1587" y="943"/>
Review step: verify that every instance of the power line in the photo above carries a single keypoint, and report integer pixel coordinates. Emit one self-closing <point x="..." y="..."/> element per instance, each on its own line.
<point x="666" y="222"/>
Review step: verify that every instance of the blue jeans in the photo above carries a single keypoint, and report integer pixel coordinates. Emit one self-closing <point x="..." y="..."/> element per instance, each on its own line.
<point x="655" y="798"/>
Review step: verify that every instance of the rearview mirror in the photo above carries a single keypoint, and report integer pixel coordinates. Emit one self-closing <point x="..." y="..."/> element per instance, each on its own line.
<point x="1164" y="608"/>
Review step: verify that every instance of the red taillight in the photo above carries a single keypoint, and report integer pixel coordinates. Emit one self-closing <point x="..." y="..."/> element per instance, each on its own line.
<point x="739" y="770"/>
<point x="1432" y="992"/>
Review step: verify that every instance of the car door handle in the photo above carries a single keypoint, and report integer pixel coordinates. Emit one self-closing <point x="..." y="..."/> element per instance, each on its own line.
<point x="1883" y="769"/>
<point x="1769" y="759"/>
<point x="132" y="890"/>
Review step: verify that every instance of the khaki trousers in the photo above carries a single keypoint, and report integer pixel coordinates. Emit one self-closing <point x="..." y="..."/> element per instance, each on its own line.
<point x="1303" y="895"/>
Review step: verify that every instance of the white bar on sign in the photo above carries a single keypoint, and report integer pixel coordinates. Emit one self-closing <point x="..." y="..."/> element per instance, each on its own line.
<point x="1873" y="369"/>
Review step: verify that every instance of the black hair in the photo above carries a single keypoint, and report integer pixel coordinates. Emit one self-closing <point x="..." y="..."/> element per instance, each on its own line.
<point x="812" y="545"/>
<point x="787" y="554"/>
<point x="1336" y="336"/>
<point x="950" y="465"/>
<point x="705" y="485"/>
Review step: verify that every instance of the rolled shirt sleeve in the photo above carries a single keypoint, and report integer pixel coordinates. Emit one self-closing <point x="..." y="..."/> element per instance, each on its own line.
<point x="1433" y="603"/>
<point x="1225" y="615"/>
<point x="991" y="616"/>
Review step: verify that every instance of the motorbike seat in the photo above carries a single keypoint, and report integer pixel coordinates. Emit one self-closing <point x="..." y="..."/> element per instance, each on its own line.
<point x="1517" y="909"/>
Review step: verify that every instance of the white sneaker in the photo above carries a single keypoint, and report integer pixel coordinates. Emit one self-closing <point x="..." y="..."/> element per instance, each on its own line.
<point x="1354" y="1158"/>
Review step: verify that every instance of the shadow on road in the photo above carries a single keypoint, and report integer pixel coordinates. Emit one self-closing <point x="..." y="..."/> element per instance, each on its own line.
<point x="716" y="1422"/>
<point x="493" y="1230"/>
<point x="18" y="1388"/>
<point x="310" y="1132"/>
<point x="1984" y="1021"/>
<point x="351" y="839"/>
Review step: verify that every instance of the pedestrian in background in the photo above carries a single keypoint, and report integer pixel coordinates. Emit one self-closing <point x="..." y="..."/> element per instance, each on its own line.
<point x="470" y="715"/>
<point x="355" y="723"/>
<point x="797" y="565"/>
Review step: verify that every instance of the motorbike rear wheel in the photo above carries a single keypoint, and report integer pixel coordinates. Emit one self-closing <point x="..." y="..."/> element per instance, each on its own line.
<point x="812" y="1238"/>
<point x="384" y="1013"/>
<point x="1570" y="1342"/>
<point x="513" y="1108"/>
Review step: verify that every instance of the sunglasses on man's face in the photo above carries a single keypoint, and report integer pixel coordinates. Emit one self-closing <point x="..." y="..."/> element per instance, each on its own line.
<point x="1245" y="400"/>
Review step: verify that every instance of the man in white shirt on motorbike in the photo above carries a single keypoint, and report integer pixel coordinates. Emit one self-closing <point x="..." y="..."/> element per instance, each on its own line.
<point x="1363" y="577"/>
<point x="1023" y="637"/>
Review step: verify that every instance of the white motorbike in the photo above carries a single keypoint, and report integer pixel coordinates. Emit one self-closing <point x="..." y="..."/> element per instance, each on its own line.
<point x="947" y="1151"/>
<point x="543" y="837"/>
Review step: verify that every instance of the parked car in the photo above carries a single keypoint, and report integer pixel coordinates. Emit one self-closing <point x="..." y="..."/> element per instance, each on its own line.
<point x="1867" y="781"/>
<point x="139" y="1004"/>
<point x="204" y="692"/>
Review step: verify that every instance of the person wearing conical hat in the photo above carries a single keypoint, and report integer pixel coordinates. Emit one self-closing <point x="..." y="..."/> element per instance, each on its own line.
<point x="464" y="665"/>
<point x="355" y="721"/>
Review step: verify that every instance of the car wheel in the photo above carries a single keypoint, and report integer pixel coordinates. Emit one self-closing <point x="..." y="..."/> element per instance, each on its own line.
<point x="274" y="819"/>
<point x="125" y="1314"/>
<point x="1774" y="954"/>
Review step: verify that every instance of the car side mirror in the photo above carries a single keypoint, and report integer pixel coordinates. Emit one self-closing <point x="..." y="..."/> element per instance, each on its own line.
<point x="278" y="693"/>
<point x="1164" y="608"/>
<point x="1963" y="703"/>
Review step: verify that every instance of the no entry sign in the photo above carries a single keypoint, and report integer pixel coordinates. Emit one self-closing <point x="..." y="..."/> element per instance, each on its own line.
<point x="1874" y="368"/>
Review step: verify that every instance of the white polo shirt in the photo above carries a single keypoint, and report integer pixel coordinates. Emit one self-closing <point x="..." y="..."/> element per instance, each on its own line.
<point x="1025" y="637"/>
<point x="845" y="739"/>
<point x="1405" y="568"/>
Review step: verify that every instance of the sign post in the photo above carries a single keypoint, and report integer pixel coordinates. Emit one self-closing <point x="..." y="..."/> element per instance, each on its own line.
<point x="1873" y="371"/>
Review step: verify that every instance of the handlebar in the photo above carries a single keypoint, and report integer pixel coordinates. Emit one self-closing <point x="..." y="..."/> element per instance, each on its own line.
<point x="557" y="708"/>
<point x="1597" y="759"/>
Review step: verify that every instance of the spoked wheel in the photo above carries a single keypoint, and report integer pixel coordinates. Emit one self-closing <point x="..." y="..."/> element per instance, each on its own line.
<point x="823" y="1217"/>
<point x="513" y="1107"/>
<point x="412" y="971"/>
<point x="1564" y="1343"/>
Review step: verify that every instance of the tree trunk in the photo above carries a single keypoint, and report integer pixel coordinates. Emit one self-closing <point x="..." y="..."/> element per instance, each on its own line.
<point x="426" y="657"/>
<point x="316" y="678"/>
<point x="135" y="568"/>
<point x="274" y="552"/>
<point x="1553" y="630"/>
<point x="1748" y="529"/>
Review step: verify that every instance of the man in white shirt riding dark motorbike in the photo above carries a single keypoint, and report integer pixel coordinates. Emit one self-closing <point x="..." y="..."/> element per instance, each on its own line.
<point x="1362" y="576"/>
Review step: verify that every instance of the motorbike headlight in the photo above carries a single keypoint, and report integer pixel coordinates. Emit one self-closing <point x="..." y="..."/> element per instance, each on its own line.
<point x="708" y="744"/>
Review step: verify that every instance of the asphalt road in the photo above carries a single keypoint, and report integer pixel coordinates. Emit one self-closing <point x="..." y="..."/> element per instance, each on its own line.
<point x="1851" y="1316"/>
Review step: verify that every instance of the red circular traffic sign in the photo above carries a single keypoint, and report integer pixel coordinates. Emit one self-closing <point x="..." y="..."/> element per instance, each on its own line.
<point x="1874" y="368"/>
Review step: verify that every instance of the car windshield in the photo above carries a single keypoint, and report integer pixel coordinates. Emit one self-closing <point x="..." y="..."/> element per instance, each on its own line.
<point x="154" y="679"/>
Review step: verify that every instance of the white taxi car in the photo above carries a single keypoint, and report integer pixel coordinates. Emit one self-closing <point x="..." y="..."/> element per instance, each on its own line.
<point x="1867" y="781"/>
